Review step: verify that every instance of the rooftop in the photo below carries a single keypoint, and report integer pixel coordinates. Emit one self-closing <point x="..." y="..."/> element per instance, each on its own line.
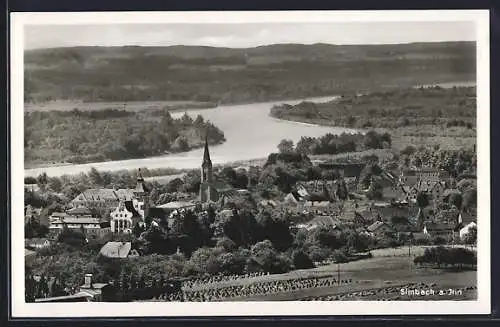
<point x="116" y="250"/>
<point x="376" y="225"/>
<point x="176" y="205"/>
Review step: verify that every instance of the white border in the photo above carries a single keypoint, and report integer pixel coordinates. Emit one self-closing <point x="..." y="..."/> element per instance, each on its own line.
<point x="21" y="309"/>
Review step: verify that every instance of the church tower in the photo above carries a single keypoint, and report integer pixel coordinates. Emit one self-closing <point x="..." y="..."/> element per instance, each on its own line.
<point x="142" y="192"/>
<point x="206" y="175"/>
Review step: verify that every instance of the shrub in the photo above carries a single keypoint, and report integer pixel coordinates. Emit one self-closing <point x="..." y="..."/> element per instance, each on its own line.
<point x="301" y="260"/>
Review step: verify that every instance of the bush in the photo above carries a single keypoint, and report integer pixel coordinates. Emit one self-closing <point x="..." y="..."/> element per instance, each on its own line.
<point x="301" y="260"/>
<point x="339" y="256"/>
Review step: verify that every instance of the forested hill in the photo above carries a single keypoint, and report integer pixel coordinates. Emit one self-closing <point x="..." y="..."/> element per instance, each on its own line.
<point x="274" y="72"/>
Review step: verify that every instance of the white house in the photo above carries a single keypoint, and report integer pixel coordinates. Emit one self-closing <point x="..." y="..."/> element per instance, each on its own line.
<point x="125" y="215"/>
<point x="466" y="230"/>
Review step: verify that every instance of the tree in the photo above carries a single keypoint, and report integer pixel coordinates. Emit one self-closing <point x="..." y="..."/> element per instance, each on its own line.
<point x="302" y="260"/>
<point x="174" y="185"/>
<point x="285" y="146"/>
<point x="422" y="200"/>
<point x="180" y="144"/>
<point x="469" y="199"/>
<point x="341" y="191"/>
<point x="455" y="199"/>
<point x="95" y="177"/>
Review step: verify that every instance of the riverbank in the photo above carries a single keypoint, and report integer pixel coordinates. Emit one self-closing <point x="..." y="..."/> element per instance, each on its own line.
<point x="249" y="132"/>
<point x="430" y="115"/>
<point x="173" y="106"/>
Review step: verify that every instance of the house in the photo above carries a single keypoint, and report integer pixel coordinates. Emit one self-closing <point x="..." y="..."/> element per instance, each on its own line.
<point x="125" y="216"/>
<point x="85" y="222"/>
<point x="79" y="211"/>
<point x="448" y="216"/>
<point x="322" y="221"/>
<point x="37" y="243"/>
<point x="293" y="198"/>
<point x="96" y="198"/>
<point x="118" y="250"/>
<point x="465" y="231"/>
<point x="465" y="218"/>
<point x="432" y="187"/>
<point x="439" y="229"/>
<point x="379" y="229"/>
<point x="408" y="178"/>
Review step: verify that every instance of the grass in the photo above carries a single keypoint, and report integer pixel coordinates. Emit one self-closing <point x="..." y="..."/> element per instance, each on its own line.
<point x="450" y="138"/>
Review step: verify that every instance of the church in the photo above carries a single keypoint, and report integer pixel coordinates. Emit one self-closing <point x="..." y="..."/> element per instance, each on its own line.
<point x="211" y="191"/>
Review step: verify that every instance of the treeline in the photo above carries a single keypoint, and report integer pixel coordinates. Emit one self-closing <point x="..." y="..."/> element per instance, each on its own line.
<point x="443" y="257"/>
<point x="243" y="75"/>
<point x="390" y="109"/>
<point x="93" y="136"/>
<point x="334" y="144"/>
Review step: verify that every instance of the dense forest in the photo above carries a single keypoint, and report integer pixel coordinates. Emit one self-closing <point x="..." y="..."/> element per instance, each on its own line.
<point x="91" y="136"/>
<point x="390" y="109"/>
<point x="207" y="74"/>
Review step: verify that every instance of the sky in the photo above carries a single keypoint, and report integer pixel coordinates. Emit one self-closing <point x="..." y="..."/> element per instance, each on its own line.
<point x="243" y="35"/>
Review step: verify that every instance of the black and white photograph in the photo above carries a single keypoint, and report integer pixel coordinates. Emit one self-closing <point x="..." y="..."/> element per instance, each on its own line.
<point x="260" y="162"/>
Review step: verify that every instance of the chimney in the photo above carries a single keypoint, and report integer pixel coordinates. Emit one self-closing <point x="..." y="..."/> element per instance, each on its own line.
<point x="88" y="281"/>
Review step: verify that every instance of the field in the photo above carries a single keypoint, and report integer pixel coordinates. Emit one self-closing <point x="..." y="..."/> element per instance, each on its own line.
<point x="452" y="138"/>
<point x="373" y="274"/>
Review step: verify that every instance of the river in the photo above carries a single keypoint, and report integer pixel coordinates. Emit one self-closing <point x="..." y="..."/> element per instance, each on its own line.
<point x="249" y="130"/>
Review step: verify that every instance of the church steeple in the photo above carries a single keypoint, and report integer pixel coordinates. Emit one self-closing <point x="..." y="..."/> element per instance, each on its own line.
<point x="206" y="154"/>
<point x="140" y="189"/>
<point x="141" y="192"/>
<point x="206" y="175"/>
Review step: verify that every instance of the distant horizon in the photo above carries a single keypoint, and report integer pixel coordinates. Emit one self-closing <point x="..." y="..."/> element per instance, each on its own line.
<point x="251" y="47"/>
<point x="247" y="35"/>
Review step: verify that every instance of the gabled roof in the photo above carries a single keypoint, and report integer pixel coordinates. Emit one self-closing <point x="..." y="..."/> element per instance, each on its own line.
<point x="37" y="241"/>
<point x="376" y="225"/>
<point x="176" y="205"/>
<point x="438" y="227"/>
<point x="100" y="194"/>
<point x="466" y="218"/>
<point x="77" y="220"/>
<point x="116" y="249"/>
<point x="79" y="211"/>
<point x="58" y="214"/>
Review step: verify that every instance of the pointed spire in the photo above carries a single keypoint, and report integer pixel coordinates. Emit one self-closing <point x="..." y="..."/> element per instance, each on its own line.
<point x="206" y="153"/>
<point x="139" y="176"/>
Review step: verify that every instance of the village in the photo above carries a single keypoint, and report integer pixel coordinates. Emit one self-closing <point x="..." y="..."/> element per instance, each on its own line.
<point x="341" y="212"/>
